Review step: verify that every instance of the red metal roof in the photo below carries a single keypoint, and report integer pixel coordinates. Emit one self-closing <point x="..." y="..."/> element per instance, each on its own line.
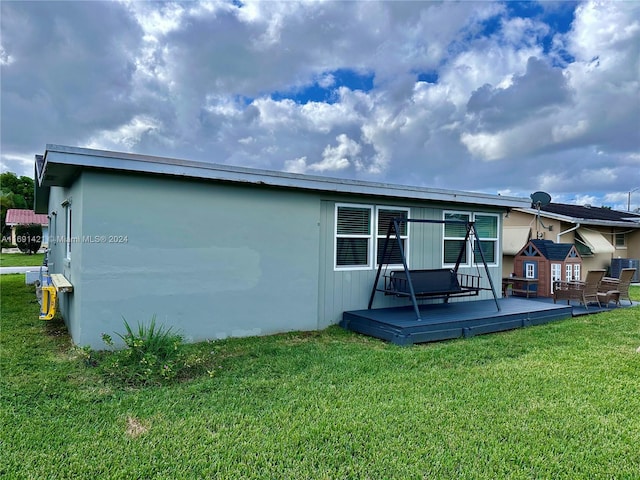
<point x="16" y="216"/>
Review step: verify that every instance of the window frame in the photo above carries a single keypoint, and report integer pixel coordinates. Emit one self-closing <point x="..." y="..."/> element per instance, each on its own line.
<point x="383" y="236"/>
<point x="529" y="270"/>
<point x="495" y="240"/>
<point x="470" y="260"/>
<point x="620" y="245"/>
<point x="68" y="228"/>
<point x="68" y="232"/>
<point x="465" y="262"/>
<point x="369" y="237"/>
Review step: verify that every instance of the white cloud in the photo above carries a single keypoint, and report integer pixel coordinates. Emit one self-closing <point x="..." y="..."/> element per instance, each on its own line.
<point x="297" y="165"/>
<point x="198" y="80"/>
<point x="339" y="157"/>
<point x="128" y="135"/>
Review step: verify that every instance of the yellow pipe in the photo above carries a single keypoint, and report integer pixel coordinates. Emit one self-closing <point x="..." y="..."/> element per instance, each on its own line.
<point x="49" y="298"/>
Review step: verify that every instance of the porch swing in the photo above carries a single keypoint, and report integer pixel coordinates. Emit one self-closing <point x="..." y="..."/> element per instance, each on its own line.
<point x="440" y="283"/>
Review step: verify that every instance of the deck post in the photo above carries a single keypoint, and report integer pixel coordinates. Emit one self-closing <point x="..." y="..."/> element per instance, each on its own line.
<point x="484" y="262"/>
<point x="414" y="300"/>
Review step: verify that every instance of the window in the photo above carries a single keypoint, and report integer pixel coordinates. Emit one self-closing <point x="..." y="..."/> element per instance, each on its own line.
<point x="454" y="234"/>
<point x="568" y="272"/>
<point x="576" y="271"/>
<point x="356" y="231"/>
<point x="556" y="274"/>
<point x="68" y="232"/>
<point x="353" y="237"/>
<point x="486" y="226"/>
<point x="620" y="240"/>
<point x="53" y="231"/>
<point x="530" y="270"/>
<point x="384" y="216"/>
<point x="487" y="230"/>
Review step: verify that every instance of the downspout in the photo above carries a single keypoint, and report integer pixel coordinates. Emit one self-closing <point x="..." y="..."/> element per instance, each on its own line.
<point x="566" y="231"/>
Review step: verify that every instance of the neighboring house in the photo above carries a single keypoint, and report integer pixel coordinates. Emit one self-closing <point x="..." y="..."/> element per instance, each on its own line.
<point x="605" y="238"/>
<point x="218" y="251"/>
<point x="18" y="216"/>
<point x="547" y="262"/>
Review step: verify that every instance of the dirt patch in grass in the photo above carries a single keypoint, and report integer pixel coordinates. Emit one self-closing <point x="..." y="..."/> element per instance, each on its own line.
<point x="136" y="427"/>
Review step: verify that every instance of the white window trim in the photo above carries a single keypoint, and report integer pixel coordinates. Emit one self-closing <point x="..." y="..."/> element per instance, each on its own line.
<point x="577" y="271"/>
<point x="556" y="274"/>
<point x="68" y="227"/>
<point x="496" y="239"/>
<point x="624" y="241"/>
<point x="530" y="270"/>
<point x="383" y="236"/>
<point x="568" y="272"/>
<point x="370" y="238"/>
<point x="468" y="262"/>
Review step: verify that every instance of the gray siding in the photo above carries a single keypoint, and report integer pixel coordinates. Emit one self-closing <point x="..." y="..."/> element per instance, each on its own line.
<point x="341" y="291"/>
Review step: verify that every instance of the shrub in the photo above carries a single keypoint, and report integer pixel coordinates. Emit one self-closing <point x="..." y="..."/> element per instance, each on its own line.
<point x="152" y="355"/>
<point x="29" y="237"/>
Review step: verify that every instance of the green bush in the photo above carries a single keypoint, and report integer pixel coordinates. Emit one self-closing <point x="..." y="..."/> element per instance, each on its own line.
<point x="152" y="355"/>
<point x="29" y="237"/>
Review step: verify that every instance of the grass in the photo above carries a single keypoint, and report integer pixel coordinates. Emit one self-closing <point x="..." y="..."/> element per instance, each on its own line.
<point x="558" y="401"/>
<point x="21" y="259"/>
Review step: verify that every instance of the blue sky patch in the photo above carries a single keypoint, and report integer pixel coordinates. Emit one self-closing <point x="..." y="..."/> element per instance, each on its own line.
<point x="325" y="87"/>
<point x="428" y="77"/>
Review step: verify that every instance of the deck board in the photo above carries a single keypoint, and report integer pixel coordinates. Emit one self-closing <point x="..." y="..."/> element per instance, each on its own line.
<point x="458" y="319"/>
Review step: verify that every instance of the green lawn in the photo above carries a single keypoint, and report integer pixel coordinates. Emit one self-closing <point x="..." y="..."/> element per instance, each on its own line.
<point x="559" y="401"/>
<point x="20" y="259"/>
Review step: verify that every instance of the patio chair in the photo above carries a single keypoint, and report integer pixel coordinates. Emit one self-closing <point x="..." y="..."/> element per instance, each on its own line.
<point x="585" y="292"/>
<point x="619" y="285"/>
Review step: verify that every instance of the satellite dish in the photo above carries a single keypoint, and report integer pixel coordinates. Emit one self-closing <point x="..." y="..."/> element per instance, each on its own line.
<point x="540" y="199"/>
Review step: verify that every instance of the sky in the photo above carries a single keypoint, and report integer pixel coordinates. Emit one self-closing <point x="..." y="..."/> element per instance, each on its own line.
<point x="503" y="98"/>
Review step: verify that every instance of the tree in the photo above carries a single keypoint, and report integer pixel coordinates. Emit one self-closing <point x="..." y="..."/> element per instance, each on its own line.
<point x="16" y="192"/>
<point x="29" y="237"/>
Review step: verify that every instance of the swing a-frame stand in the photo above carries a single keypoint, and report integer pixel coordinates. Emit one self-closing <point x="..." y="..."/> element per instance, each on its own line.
<point x="442" y="283"/>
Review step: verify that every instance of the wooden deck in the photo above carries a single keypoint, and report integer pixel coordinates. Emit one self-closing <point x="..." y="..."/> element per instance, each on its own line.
<point x="399" y="325"/>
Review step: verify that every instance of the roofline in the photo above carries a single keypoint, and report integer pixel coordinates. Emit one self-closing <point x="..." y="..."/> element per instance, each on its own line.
<point x="14" y="224"/>
<point x="119" y="161"/>
<point x="583" y="221"/>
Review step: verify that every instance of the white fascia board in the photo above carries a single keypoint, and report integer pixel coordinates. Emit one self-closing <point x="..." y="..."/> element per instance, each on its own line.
<point x="101" y="159"/>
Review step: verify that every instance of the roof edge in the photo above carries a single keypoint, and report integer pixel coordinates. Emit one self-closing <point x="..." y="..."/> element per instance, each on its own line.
<point x="588" y="221"/>
<point x="133" y="162"/>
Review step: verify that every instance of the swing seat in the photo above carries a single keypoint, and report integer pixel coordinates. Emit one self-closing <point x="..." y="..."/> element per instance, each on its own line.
<point x="441" y="282"/>
<point x="433" y="283"/>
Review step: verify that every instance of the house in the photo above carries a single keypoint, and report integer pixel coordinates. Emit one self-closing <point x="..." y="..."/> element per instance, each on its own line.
<point x="19" y="216"/>
<point x="605" y="238"/>
<point x="218" y="251"/>
<point x="547" y="262"/>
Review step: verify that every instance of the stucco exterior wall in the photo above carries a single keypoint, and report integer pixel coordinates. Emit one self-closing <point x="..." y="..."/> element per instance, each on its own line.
<point x="564" y="232"/>
<point x="60" y="200"/>
<point x="212" y="260"/>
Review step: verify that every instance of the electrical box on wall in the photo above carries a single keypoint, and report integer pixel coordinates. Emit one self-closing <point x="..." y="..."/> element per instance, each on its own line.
<point x="540" y="235"/>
